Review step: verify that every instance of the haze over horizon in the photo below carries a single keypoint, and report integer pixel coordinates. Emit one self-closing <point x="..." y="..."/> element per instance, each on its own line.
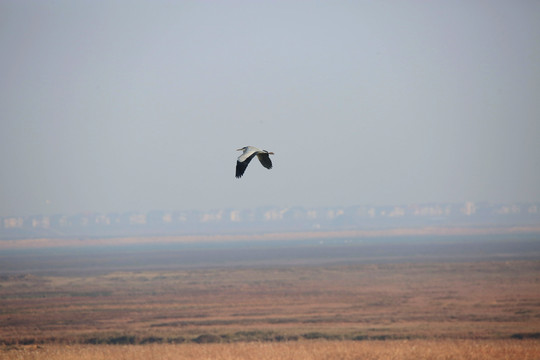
<point x="140" y="105"/>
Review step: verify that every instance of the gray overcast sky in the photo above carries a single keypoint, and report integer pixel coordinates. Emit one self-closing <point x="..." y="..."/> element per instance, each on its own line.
<point x="140" y="105"/>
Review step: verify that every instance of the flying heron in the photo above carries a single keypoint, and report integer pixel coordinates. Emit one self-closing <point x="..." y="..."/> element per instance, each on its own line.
<point x="249" y="152"/>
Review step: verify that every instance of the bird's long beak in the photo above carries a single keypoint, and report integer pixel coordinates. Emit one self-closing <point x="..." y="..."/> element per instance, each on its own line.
<point x="240" y="149"/>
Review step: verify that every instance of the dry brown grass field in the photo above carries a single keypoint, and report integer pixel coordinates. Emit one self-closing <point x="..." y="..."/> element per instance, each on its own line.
<point x="487" y="309"/>
<point x="304" y="350"/>
<point x="485" y="300"/>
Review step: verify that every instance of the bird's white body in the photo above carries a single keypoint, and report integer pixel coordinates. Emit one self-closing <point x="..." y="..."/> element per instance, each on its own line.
<point x="249" y="152"/>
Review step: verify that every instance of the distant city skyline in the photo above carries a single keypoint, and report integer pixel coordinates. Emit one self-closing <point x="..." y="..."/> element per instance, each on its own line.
<point x="519" y="217"/>
<point x="134" y="106"/>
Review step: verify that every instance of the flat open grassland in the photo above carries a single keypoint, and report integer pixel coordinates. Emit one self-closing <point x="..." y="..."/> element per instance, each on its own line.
<point x="378" y="301"/>
<point x="338" y="308"/>
<point x="304" y="350"/>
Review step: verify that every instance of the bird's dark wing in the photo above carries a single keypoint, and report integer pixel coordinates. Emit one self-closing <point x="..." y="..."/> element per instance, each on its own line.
<point x="240" y="168"/>
<point x="242" y="165"/>
<point x="264" y="158"/>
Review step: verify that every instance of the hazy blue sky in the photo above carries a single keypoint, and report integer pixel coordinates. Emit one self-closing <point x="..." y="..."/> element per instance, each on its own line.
<point x="140" y="105"/>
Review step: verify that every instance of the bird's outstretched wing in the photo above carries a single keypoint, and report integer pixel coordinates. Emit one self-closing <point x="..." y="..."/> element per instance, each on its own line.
<point x="264" y="158"/>
<point x="241" y="166"/>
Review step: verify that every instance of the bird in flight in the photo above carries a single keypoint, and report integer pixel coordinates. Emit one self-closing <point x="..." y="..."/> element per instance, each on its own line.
<point x="249" y="152"/>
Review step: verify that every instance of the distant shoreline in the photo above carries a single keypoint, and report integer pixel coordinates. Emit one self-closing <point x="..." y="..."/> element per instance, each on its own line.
<point x="266" y="236"/>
